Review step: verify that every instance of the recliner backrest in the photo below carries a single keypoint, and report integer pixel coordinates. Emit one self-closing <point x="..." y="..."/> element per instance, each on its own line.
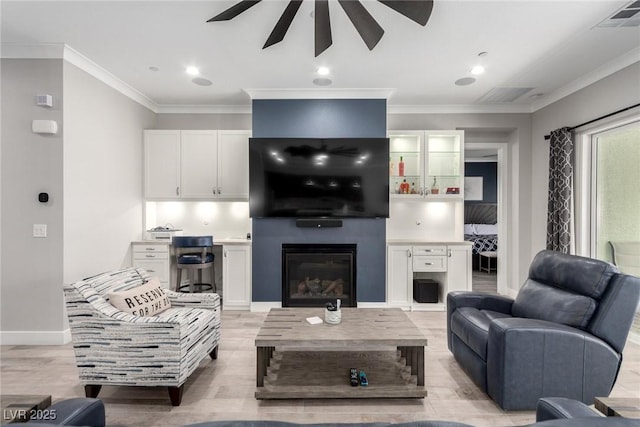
<point x="563" y="288"/>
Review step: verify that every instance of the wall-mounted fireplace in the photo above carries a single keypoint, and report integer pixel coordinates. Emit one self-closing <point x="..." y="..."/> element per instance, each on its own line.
<point x="314" y="274"/>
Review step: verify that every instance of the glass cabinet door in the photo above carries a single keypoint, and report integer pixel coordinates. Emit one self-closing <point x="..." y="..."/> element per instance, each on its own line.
<point x="406" y="164"/>
<point x="444" y="164"/>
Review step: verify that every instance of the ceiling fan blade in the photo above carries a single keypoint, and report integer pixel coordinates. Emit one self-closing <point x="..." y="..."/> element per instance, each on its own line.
<point x="417" y="10"/>
<point x="368" y="28"/>
<point x="234" y="10"/>
<point x="322" y="27"/>
<point x="280" y="30"/>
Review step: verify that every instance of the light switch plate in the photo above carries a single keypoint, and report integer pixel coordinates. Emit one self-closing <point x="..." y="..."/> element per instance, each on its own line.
<point x="39" y="230"/>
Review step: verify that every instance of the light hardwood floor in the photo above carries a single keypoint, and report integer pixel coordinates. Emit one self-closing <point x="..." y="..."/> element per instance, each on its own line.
<point x="223" y="389"/>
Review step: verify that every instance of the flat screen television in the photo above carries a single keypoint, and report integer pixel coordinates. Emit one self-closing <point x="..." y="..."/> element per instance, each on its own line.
<point x="319" y="177"/>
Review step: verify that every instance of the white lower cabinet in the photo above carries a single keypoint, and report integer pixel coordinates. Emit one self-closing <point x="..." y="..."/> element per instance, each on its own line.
<point x="449" y="265"/>
<point x="236" y="277"/>
<point x="154" y="258"/>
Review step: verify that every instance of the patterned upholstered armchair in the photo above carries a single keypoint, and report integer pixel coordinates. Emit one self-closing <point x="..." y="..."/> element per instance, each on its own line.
<point x="116" y="348"/>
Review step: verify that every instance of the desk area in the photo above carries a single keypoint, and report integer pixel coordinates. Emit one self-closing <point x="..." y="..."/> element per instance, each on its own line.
<point x="232" y="265"/>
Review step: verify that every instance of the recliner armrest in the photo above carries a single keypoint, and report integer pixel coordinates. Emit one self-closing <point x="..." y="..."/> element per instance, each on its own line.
<point x="554" y="408"/>
<point x="73" y="412"/>
<point x="479" y="300"/>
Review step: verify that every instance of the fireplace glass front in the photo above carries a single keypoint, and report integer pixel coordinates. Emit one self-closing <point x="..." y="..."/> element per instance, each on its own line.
<point x="314" y="274"/>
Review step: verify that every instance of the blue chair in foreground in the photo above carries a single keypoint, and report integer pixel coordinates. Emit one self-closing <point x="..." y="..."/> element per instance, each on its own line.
<point x="562" y="336"/>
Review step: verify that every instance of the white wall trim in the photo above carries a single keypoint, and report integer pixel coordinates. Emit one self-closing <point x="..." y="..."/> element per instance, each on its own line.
<point x="76" y="58"/>
<point x="62" y="51"/>
<point x="459" y="109"/>
<point x="373" y="305"/>
<point x="264" y="306"/>
<point x="634" y="337"/>
<point x="599" y="73"/>
<point x="203" y="109"/>
<point x="35" y="337"/>
<point x="305" y="93"/>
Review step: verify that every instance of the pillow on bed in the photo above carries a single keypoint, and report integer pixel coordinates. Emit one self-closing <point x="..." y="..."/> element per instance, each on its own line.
<point x="486" y="228"/>
<point x="469" y="229"/>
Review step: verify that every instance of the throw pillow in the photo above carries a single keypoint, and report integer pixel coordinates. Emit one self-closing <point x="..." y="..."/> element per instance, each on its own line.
<point x="147" y="299"/>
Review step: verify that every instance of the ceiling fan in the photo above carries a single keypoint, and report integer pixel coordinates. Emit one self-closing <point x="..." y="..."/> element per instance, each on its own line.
<point x="371" y="32"/>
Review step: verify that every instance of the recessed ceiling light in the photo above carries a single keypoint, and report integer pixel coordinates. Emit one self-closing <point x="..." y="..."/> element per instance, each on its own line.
<point x="465" y="81"/>
<point x="477" y="70"/>
<point x="202" y="82"/>
<point x="323" y="71"/>
<point x="322" y="82"/>
<point x="193" y="71"/>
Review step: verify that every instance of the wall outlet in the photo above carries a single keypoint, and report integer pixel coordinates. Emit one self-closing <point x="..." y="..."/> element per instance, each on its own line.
<point x="39" y="230"/>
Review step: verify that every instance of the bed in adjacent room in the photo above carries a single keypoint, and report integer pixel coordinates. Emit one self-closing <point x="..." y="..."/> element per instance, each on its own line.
<point x="480" y="227"/>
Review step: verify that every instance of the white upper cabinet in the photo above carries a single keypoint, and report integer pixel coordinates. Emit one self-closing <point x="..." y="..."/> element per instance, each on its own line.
<point x="196" y="164"/>
<point x="162" y="163"/>
<point x="426" y="164"/>
<point x="199" y="164"/>
<point x="233" y="164"/>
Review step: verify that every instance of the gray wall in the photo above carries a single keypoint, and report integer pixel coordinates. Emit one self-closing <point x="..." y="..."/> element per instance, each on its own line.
<point x="102" y="174"/>
<point x="518" y="203"/>
<point x="32" y="272"/>
<point x="319" y="119"/>
<point x="617" y="91"/>
<point x="92" y="170"/>
<point x="489" y="173"/>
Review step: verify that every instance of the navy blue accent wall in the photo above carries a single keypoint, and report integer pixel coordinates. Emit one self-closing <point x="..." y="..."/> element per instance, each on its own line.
<point x="489" y="172"/>
<point x="326" y="118"/>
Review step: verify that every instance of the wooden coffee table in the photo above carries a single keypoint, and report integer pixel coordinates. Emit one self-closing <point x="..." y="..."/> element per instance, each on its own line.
<point x="297" y="360"/>
<point x="628" y="407"/>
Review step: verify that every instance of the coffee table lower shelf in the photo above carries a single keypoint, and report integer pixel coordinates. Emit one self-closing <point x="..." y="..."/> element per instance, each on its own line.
<point x="325" y="375"/>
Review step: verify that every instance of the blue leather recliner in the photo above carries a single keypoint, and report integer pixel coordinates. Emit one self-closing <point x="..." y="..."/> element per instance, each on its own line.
<point x="563" y="335"/>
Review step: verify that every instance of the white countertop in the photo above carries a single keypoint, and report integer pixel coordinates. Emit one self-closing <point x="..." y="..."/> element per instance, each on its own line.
<point x="427" y="242"/>
<point x="221" y="241"/>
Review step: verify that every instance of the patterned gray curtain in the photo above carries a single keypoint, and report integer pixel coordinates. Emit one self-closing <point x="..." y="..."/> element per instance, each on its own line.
<point x="560" y="190"/>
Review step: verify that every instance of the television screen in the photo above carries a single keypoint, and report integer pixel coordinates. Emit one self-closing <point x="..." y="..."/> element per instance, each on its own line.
<point x="319" y="178"/>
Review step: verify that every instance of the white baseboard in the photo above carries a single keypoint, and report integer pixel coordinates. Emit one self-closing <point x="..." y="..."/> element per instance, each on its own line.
<point x="264" y="306"/>
<point x="373" y="305"/>
<point x="35" y="337"/>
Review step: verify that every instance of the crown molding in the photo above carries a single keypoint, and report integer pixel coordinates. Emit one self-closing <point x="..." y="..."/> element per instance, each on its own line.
<point x="460" y="109"/>
<point x="72" y="56"/>
<point x="599" y="73"/>
<point x="203" y="109"/>
<point x="307" y="93"/>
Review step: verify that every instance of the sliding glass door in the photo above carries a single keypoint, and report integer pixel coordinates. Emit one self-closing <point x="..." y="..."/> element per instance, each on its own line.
<point x="615" y="201"/>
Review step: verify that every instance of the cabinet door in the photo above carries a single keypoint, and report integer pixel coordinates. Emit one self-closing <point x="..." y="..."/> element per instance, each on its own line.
<point x="161" y="164"/>
<point x="199" y="166"/>
<point x="406" y="164"/>
<point x="444" y="164"/>
<point x="399" y="276"/>
<point x="236" y="277"/>
<point x="459" y="270"/>
<point x="233" y="164"/>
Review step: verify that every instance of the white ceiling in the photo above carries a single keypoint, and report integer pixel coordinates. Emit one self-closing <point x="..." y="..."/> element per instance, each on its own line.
<point x="551" y="47"/>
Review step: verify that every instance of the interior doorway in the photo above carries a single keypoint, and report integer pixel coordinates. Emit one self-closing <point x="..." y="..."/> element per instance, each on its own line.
<point x="485" y="212"/>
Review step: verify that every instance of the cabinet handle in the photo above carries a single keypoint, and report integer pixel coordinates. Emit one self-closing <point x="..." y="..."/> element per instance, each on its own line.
<point x="422" y="192"/>
<point x="213" y="190"/>
<point x="428" y="250"/>
<point x="449" y="252"/>
<point x="225" y="254"/>
<point x="149" y="249"/>
<point x="150" y="256"/>
<point x="150" y="271"/>
<point x="409" y="253"/>
<point x="177" y="191"/>
<point x="219" y="191"/>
